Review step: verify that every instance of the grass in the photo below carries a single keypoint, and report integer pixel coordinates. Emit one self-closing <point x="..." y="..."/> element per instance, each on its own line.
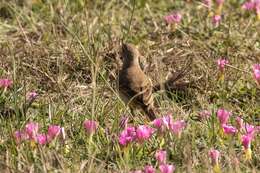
<point x="64" y="50"/>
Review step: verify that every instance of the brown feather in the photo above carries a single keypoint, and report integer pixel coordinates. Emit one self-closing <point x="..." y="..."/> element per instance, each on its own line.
<point x="134" y="86"/>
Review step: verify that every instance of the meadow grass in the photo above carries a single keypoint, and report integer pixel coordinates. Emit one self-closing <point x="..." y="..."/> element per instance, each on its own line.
<point x="65" y="51"/>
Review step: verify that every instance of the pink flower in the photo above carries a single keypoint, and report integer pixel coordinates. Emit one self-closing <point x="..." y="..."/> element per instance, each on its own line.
<point x="158" y="123"/>
<point x="167" y="121"/>
<point x="205" y="114"/>
<point x="143" y="133"/>
<point x="20" y="136"/>
<point x="223" y="116"/>
<point x="90" y="126"/>
<point x="216" y="19"/>
<point x="214" y="155"/>
<point x="228" y="129"/>
<point x="257" y="5"/>
<point x="126" y="136"/>
<point x="256" y="72"/>
<point x="166" y="168"/>
<point x="248" y="5"/>
<point x="246" y="141"/>
<point x="220" y="2"/>
<point x="32" y="95"/>
<point x="160" y="156"/>
<point x="149" y="169"/>
<point x="252" y="5"/>
<point x="54" y="131"/>
<point x="173" y="18"/>
<point x="5" y="83"/>
<point x="221" y="64"/>
<point x="239" y="123"/>
<point x="249" y="129"/>
<point x="207" y="3"/>
<point x="31" y="129"/>
<point x="42" y="139"/>
<point x="163" y="123"/>
<point x="257" y="128"/>
<point x="178" y="126"/>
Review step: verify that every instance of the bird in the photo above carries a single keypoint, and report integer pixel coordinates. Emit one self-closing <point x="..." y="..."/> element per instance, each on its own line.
<point x="171" y="84"/>
<point x="135" y="87"/>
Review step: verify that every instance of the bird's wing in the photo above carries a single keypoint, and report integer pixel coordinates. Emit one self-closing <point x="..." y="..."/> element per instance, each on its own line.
<point x="138" y="93"/>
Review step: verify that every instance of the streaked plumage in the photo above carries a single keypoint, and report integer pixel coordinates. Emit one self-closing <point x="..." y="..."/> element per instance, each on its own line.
<point x="135" y="87"/>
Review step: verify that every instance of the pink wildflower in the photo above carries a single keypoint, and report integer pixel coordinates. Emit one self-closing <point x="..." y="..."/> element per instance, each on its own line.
<point x="249" y="5"/>
<point x="252" y="5"/>
<point x="256" y="72"/>
<point x="5" y="83"/>
<point x="158" y="123"/>
<point x="239" y="123"/>
<point x="221" y="64"/>
<point x="207" y="3"/>
<point x="178" y="126"/>
<point x="143" y="133"/>
<point x="166" y="168"/>
<point x="126" y="136"/>
<point x="220" y="2"/>
<point x="167" y="121"/>
<point x="257" y="128"/>
<point x="149" y="169"/>
<point x="249" y="129"/>
<point x="163" y="123"/>
<point x="205" y="114"/>
<point x="160" y="156"/>
<point x="228" y="129"/>
<point x="31" y="129"/>
<point x="54" y="131"/>
<point x="214" y="155"/>
<point x="216" y="19"/>
<point x="246" y="141"/>
<point x="32" y="95"/>
<point x="20" y="136"/>
<point x="42" y="139"/>
<point x="173" y="18"/>
<point x="257" y="5"/>
<point x="223" y="116"/>
<point x="90" y="126"/>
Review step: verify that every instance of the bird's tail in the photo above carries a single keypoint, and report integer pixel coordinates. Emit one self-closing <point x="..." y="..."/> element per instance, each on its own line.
<point x="170" y="84"/>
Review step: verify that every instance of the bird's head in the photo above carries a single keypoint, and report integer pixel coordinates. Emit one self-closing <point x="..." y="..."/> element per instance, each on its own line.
<point x="130" y="53"/>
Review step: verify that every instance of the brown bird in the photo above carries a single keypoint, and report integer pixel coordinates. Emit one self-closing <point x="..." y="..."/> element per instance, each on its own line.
<point x="135" y="88"/>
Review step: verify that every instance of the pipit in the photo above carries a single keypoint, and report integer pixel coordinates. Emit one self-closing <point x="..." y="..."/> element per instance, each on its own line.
<point x="135" y="88"/>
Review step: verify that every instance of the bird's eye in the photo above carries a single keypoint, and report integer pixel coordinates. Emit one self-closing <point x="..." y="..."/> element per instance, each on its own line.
<point x="142" y="65"/>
